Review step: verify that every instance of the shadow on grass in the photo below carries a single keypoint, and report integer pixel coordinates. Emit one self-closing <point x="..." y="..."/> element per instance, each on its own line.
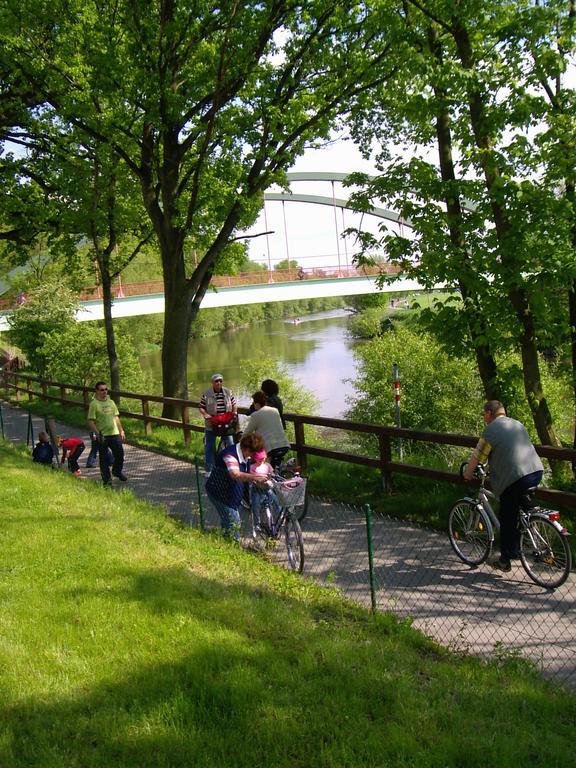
<point x="262" y="680"/>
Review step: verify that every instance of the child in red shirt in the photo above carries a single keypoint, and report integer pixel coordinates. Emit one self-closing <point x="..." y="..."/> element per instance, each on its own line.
<point x="72" y="447"/>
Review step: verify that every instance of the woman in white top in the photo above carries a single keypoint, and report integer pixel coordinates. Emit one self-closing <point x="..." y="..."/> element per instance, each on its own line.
<point x="266" y="422"/>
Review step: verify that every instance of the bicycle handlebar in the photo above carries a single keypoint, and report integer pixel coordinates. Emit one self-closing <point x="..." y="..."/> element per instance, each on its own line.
<point x="479" y="473"/>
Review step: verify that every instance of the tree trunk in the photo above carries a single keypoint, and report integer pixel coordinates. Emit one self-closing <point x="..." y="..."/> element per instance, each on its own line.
<point x="530" y="363"/>
<point x="178" y="316"/>
<point x="487" y="366"/>
<point x="107" y="301"/>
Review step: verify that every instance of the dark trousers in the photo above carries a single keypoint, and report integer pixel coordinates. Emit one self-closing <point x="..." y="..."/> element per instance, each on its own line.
<point x="509" y="509"/>
<point x="114" y="443"/>
<point x="74" y="456"/>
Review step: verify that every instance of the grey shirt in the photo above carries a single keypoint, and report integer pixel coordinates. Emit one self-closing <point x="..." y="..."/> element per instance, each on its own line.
<point x="507" y="446"/>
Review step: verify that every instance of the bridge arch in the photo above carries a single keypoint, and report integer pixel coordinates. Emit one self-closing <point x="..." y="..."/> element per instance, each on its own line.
<point x="318" y="228"/>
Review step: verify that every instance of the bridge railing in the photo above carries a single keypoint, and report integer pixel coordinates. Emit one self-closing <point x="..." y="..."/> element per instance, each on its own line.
<point x="263" y="277"/>
<point x="33" y="387"/>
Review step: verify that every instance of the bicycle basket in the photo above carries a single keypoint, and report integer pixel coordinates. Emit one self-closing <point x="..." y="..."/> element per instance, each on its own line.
<point x="290" y="493"/>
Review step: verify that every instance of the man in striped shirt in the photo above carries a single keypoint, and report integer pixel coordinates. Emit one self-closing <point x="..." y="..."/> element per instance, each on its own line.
<point x="214" y="401"/>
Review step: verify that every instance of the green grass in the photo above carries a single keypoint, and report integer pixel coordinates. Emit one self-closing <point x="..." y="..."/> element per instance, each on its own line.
<point x="127" y="640"/>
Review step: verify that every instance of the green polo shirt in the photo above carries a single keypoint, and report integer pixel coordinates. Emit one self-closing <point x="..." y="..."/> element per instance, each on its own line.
<point x="103" y="413"/>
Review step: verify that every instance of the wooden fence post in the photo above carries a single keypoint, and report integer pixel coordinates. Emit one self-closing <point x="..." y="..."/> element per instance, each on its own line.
<point x="385" y="446"/>
<point x="186" y="420"/>
<point x="62" y="393"/>
<point x="85" y="396"/>
<point x="300" y="443"/>
<point x="44" y="391"/>
<point x="146" y="414"/>
<point x="29" y="389"/>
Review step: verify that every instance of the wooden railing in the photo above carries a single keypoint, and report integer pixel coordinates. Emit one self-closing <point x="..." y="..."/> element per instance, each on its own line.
<point x="25" y="385"/>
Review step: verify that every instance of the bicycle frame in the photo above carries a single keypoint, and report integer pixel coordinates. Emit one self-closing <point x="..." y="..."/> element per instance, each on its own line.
<point x="483" y="500"/>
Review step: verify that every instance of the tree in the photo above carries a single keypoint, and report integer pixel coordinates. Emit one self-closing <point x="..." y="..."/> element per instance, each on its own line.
<point x="78" y="353"/>
<point x="206" y="104"/>
<point x="48" y="308"/>
<point x="478" y="214"/>
<point x="76" y="191"/>
<point x="550" y="47"/>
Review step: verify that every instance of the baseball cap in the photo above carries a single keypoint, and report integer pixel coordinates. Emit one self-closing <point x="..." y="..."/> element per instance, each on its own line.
<point x="217" y="376"/>
<point x="259" y="455"/>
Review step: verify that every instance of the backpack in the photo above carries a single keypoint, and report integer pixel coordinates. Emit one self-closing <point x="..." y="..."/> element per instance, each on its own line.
<point x="223" y="423"/>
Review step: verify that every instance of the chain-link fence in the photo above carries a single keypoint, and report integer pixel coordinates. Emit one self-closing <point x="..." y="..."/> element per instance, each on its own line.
<point x="415" y="573"/>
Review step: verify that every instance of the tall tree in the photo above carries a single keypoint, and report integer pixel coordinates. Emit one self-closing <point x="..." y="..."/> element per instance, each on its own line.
<point x="207" y="104"/>
<point x="467" y="61"/>
<point x="549" y="45"/>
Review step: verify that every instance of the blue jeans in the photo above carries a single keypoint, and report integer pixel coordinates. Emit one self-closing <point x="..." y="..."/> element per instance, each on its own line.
<point x="93" y="455"/>
<point x="210" y="448"/>
<point x="260" y="497"/>
<point x="229" y="518"/>
<point x="114" y="444"/>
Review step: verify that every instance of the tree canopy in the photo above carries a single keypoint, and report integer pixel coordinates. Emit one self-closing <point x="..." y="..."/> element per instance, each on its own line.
<point x="205" y="104"/>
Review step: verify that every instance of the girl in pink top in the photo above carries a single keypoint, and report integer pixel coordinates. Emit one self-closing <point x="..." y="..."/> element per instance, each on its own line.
<point x="261" y="495"/>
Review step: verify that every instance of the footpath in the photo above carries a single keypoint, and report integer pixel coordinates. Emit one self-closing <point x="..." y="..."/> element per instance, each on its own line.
<point x="417" y="575"/>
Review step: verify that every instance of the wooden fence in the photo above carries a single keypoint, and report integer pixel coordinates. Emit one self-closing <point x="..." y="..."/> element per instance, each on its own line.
<point x="33" y="387"/>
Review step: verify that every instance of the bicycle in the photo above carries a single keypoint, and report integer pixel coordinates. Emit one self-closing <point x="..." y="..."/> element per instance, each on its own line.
<point x="268" y="528"/>
<point x="544" y="550"/>
<point x="289" y="469"/>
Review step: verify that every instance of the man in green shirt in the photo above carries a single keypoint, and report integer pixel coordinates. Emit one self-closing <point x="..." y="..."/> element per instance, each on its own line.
<point x="103" y="418"/>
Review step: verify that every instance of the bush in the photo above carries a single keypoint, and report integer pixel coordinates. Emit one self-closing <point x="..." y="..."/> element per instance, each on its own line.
<point x="49" y="308"/>
<point x="294" y="397"/>
<point x="77" y="354"/>
<point x="440" y="393"/>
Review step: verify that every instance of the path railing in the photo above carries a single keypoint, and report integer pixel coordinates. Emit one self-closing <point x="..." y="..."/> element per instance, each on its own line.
<point x="24" y="385"/>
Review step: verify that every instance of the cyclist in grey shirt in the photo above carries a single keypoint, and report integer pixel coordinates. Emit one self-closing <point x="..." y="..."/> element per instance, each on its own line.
<point x="514" y="467"/>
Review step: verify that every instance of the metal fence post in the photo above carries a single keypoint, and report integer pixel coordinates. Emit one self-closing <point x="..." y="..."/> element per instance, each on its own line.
<point x="199" y="489"/>
<point x="30" y="431"/>
<point x="368" y="512"/>
<point x="1" y="421"/>
<point x="397" y="407"/>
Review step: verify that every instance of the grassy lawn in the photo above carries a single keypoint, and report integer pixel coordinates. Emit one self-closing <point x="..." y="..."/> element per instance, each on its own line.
<point x="127" y="640"/>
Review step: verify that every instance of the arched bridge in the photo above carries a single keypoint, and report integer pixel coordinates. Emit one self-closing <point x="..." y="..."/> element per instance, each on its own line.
<point x="303" y="278"/>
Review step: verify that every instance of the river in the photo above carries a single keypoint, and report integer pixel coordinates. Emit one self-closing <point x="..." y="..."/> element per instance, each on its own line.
<point x="316" y="351"/>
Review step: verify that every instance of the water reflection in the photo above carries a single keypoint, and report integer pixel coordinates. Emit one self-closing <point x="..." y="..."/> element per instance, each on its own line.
<point x="316" y="351"/>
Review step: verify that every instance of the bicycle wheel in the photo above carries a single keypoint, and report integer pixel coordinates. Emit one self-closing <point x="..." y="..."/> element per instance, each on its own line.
<point x="545" y="553"/>
<point x="470" y="532"/>
<point x="294" y="543"/>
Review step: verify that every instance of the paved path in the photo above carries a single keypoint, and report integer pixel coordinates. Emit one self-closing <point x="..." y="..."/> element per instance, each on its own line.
<point x="417" y="574"/>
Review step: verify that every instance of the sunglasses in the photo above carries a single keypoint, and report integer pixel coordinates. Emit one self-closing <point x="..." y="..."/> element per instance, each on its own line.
<point x="102" y="389"/>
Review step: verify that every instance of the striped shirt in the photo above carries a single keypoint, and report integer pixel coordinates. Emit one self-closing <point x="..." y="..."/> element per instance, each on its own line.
<point x="219" y="399"/>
